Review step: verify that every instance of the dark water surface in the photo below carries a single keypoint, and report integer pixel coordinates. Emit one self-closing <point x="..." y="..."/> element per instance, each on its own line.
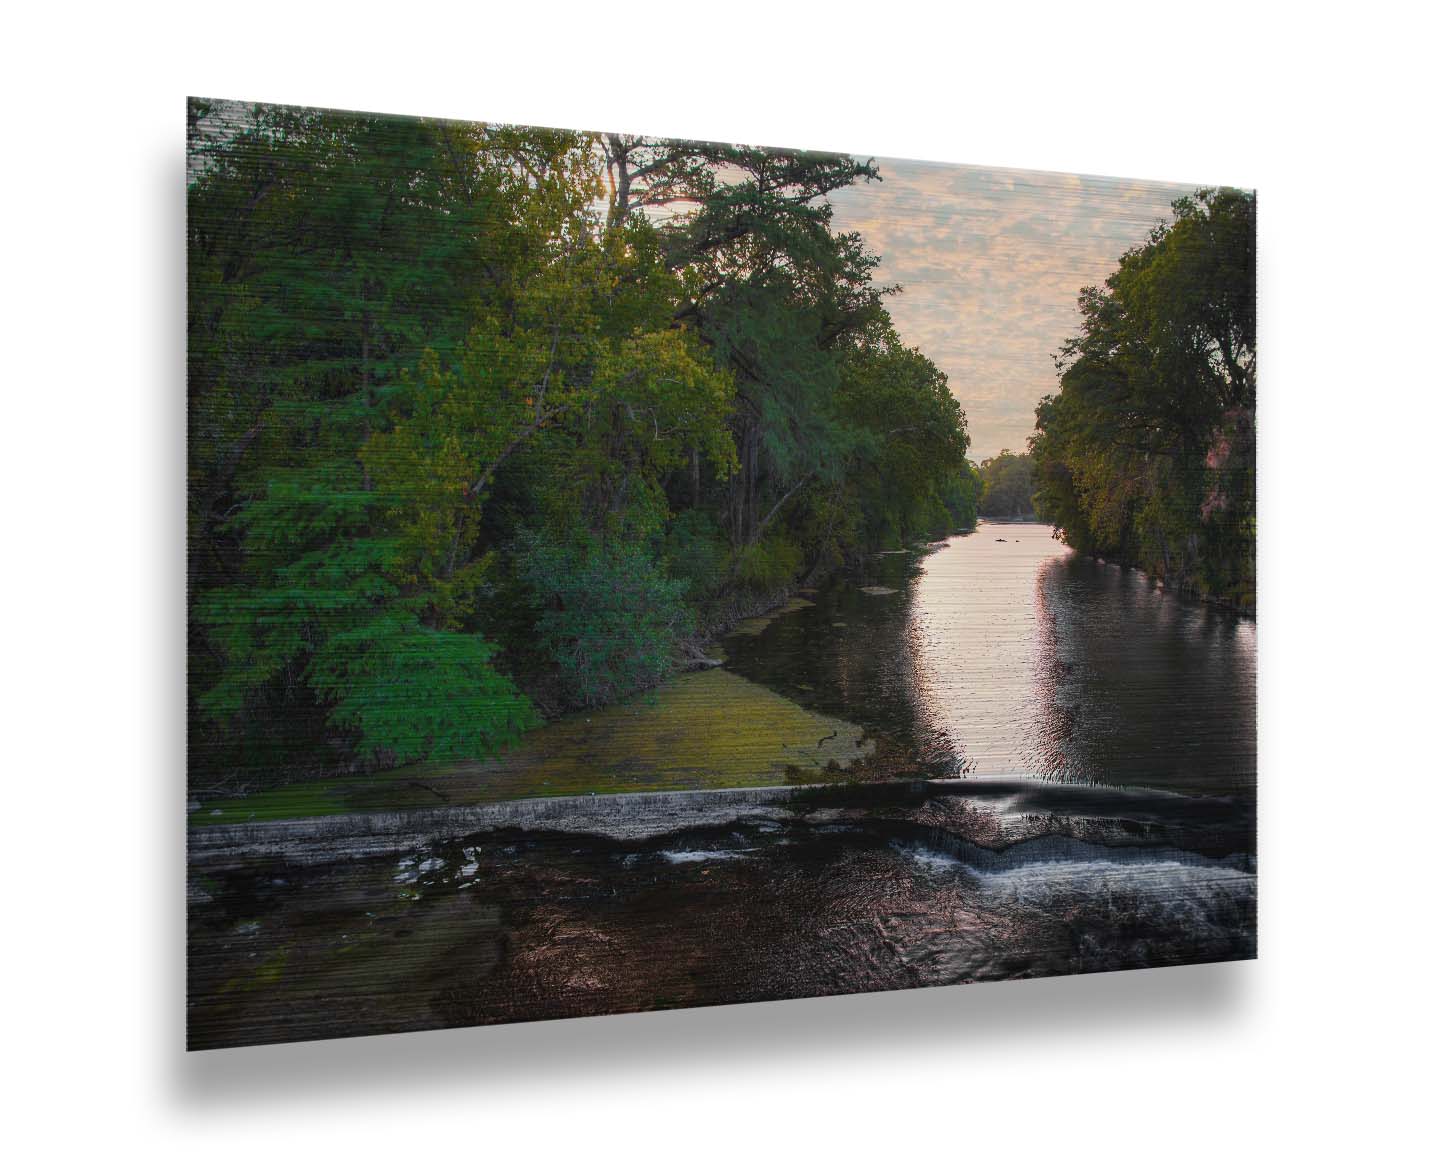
<point x="1007" y="654"/>
<point x="1071" y="753"/>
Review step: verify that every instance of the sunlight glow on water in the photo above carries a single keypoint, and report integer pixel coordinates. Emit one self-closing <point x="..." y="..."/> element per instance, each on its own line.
<point x="982" y="637"/>
<point x="1005" y="653"/>
<point x="1096" y="675"/>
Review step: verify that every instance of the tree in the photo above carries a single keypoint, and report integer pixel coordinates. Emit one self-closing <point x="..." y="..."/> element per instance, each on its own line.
<point x="1009" y="486"/>
<point x="908" y="441"/>
<point x="327" y="252"/>
<point x="449" y="409"/>
<point x="769" y="288"/>
<point x="1147" y="452"/>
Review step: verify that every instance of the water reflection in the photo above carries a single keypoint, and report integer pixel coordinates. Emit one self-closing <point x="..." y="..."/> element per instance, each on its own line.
<point x="1005" y="653"/>
<point x="986" y="624"/>
<point x="865" y="657"/>
<point x="1149" y="688"/>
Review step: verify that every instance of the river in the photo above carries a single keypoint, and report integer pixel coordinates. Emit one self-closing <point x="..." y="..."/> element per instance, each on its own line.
<point x="1007" y="654"/>
<point x="1063" y="781"/>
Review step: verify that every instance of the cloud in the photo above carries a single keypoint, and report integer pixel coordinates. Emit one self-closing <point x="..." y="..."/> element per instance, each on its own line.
<point x="991" y="261"/>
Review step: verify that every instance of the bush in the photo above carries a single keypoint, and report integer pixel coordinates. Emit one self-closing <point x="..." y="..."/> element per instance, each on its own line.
<point x="608" y="615"/>
<point x="768" y="564"/>
<point x="696" y="553"/>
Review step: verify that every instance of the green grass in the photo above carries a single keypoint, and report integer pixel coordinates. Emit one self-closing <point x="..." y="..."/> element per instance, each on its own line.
<point x="708" y="729"/>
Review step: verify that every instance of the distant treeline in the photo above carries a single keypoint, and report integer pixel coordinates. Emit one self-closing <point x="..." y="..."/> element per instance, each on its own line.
<point x="1147" y="453"/>
<point x="1008" y="487"/>
<point x="486" y="422"/>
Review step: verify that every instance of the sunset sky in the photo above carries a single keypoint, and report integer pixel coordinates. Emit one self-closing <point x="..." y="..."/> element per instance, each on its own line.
<point x="991" y="260"/>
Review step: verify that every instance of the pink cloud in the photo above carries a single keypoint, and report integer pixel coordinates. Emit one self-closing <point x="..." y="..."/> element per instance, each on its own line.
<point x="991" y="261"/>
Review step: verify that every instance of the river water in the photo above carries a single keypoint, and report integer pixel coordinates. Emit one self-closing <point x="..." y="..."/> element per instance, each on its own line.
<point x="1007" y="654"/>
<point x="1063" y="782"/>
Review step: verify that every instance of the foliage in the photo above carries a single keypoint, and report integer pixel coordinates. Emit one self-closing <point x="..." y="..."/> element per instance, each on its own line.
<point x="959" y="495"/>
<point x="768" y="564"/>
<point x="1009" y="486"/>
<point x="907" y="443"/>
<point x="608" y="616"/>
<point x="414" y="693"/>
<point x="1147" y="453"/>
<point x="332" y="571"/>
<point x="457" y="396"/>
<point x="696" y="553"/>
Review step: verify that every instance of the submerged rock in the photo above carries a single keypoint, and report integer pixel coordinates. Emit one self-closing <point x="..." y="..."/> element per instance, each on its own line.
<point x="755" y="625"/>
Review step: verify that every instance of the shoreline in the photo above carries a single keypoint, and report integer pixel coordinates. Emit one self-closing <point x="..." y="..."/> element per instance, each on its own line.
<point x="701" y="731"/>
<point x="1186" y="590"/>
<point x="782" y="762"/>
<point x="695" y="653"/>
<point x="738" y="613"/>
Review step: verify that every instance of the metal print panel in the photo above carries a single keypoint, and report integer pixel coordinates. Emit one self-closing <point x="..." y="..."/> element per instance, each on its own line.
<point x="631" y="573"/>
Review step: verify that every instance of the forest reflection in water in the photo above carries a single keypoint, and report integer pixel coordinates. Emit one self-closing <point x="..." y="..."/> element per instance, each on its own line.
<point x="1006" y="653"/>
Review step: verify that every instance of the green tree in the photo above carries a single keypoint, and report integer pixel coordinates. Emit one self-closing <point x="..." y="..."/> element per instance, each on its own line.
<point x="1147" y="453"/>
<point x="769" y="288"/>
<point x="327" y="252"/>
<point x="1009" y="486"/>
<point x="448" y="408"/>
<point x="607" y="614"/>
<point x="907" y="444"/>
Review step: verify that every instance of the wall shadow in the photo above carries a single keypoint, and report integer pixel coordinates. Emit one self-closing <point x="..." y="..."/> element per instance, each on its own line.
<point x="705" y="1042"/>
<point x="166" y="851"/>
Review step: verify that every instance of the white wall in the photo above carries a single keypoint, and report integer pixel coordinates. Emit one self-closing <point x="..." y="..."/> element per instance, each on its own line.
<point x="1326" y="1037"/>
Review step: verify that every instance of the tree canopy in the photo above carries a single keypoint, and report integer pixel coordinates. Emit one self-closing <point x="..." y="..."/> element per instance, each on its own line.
<point x="1147" y="452"/>
<point x="484" y="422"/>
<point x="1009" y="486"/>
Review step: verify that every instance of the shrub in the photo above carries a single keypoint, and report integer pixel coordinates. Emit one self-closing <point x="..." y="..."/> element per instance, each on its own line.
<point x="608" y="615"/>
<point x="696" y="553"/>
<point x="768" y="564"/>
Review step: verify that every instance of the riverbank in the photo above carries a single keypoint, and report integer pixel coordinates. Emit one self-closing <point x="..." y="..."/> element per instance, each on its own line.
<point x="1241" y="605"/>
<point x="703" y="729"/>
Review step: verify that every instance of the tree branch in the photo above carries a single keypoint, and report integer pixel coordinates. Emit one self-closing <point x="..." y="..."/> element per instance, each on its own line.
<point x="527" y="430"/>
<point x="765" y="523"/>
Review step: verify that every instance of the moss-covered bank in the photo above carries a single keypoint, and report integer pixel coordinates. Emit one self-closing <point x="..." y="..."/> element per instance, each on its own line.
<point x="709" y="729"/>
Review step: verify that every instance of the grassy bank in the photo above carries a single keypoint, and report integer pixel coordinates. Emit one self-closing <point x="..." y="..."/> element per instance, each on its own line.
<point x="707" y="729"/>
